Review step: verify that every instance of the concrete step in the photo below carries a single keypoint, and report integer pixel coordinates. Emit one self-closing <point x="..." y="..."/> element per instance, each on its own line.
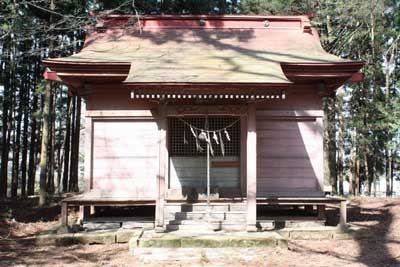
<point x="201" y="215"/>
<point x="187" y="227"/>
<point x="207" y="239"/>
<point x="205" y="227"/>
<point x="292" y="224"/>
<point x="191" y="225"/>
<point x="178" y="207"/>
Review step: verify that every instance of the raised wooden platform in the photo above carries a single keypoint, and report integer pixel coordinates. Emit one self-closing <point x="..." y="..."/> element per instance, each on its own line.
<point x="103" y="199"/>
<point x="99" y="199"/>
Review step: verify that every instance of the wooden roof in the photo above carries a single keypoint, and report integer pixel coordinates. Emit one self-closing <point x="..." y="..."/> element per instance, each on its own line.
<point x="204" y="49"/>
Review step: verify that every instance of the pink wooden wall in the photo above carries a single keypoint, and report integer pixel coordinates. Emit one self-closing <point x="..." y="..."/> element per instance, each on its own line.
<point x="289" y="155"/>
<point x="125" y="145"/>
<point x="125" y="157"/>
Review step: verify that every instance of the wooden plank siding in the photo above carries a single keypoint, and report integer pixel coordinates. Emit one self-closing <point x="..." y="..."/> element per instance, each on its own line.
<point x="192" y="172"/>
<point x="125" y="157"/>
<point x="288" y="154"/>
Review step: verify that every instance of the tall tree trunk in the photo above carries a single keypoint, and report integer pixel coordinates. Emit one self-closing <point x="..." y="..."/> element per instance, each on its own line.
<point x="388" y="62"/>
<point x="75" y="148"/>
<point x="67" y="143"/>
<point x="367" y="170"/>
<point x="358" y="173"/>
<point x="392" y="170"/>
<point x="341" y="152"/>
<point x="374" y="173"/>
<point x="72" y="146"/>
<point x="16" y="142"/>
<point x="44" y="146"/>
<point x="17" y="146"/>
<point x="25" y="142"/>
<point x="59" y="145"/>
<point x="388" y="171"/>
<point x="5" y="144"/>
<point x="45" y="129"/>
<point x="32" y="148"/>
<point x="51" y="162"/>
<point x="330" y="169"/>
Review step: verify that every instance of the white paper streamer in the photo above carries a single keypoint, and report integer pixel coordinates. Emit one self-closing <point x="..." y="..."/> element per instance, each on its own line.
<point x="227" y="135"/>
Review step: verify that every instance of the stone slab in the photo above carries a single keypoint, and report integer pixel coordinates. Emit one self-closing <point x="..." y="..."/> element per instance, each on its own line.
<point x="124" y="235"/>
<point x="95" y="226"/>
<point x="106" y="237"/>
<point x="98" y="237"/>
<point x="137" y="224"/>
<point x="189" y="239"/>
<point x="311" y="235"/>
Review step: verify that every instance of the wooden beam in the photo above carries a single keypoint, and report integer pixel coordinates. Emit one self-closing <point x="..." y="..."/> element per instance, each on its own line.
<point x="251" y="169"/>
<point x="290" y="113"/>
<point x="145" y="114"/>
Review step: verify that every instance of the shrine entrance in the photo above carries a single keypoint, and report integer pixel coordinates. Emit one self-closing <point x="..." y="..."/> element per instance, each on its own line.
<point x="194" y="175"/>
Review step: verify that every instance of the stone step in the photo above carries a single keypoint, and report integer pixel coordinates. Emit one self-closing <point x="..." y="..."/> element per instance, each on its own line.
<point x="207" y="239"/>
<point x="203" y="207"/>
<point x="203" y="215"/>
<point x="187" y="227"/>
<point x="292" y="224"/>
<point x="198" y="222"/>
<point x="223" y="227"/>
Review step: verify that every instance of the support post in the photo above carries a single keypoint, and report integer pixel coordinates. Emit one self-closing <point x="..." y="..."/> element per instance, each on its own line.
<point x="64" y="214"/>
<point x="251" y="169"/>
<point x="343" y="215"/>
<point x="84" y="212"/>
<point x="309" y="209"/>
<point x="163" y="161"/>
<point x="321" y="212"/>
<point x="243" y="157"/>
<point x="88" y="154"/>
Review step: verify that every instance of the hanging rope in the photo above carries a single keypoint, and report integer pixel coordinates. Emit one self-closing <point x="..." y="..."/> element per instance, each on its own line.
<point x="207" y="135"/>
<point x="210" y="131"/>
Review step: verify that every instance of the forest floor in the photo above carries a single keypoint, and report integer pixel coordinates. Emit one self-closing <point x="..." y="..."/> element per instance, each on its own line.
<point x="381" y="218"/>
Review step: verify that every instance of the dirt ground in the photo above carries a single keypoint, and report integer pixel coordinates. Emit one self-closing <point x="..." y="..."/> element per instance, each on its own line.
<point x="380" y="217"/>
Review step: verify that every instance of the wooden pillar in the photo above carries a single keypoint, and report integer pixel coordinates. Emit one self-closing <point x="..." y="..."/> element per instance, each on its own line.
<point x="309" y="209"/>
<point x="163" y="161"/>
<point x="319" y="157"/>
<point x="84" y="212"/>
<point x="88" y="154"/>
<point x="64" y="214"/>
<point x="243" y="158"/>
<point x="321" y="212"/>
<point x="251" y="169"/>
<point x="343" y="215"/>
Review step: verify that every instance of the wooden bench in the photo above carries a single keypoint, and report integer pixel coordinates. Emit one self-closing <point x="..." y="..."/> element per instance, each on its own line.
<point x="320" y="202"/>
<point x="92" y="200"/>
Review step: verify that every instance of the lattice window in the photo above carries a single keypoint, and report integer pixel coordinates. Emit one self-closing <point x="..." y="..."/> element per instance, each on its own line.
<point x="178" y="132"/>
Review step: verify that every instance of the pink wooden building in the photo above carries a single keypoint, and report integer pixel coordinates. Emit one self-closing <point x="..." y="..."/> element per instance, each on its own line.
<point x="160" y="90"/>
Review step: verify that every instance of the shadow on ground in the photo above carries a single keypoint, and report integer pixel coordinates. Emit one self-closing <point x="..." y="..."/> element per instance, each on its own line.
<point x="377" y="242"/>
